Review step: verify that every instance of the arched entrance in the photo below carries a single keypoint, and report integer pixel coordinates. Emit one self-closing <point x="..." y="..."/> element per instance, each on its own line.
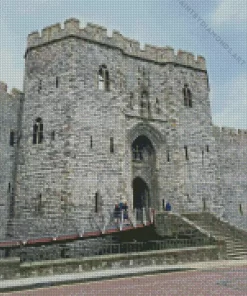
<point x="143" y="168"/>
<point x="140" y="194"/>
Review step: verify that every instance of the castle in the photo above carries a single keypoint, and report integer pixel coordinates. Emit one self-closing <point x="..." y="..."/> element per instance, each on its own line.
<point x="101" y="120"/>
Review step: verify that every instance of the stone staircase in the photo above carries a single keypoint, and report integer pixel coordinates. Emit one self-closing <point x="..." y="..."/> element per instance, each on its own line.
<point x="235" y="239"/>
<point x="168" y="224"/>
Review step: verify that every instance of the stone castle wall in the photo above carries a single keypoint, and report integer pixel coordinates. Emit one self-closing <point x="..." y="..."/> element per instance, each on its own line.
<point x="198" y="170"/>
<point x="9" y="111"/>
<point x="58" y="180"/>
<point x="68" y="171"/>
<point x="232" y="155"/>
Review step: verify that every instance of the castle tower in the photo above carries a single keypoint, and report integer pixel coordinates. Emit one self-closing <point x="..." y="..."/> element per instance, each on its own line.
<point x="199" y="187"/>
<point x="105" y="121"/>
<point x="10" y="112"/>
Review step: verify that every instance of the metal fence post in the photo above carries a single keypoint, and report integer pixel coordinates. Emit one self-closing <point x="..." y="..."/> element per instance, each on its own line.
<point x="144" y="218"/>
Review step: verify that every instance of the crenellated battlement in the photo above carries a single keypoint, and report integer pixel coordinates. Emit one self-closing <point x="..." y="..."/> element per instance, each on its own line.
<point x="129" y="46"/>
<point x="229" y="132"/>
<point x="4" y="90"/>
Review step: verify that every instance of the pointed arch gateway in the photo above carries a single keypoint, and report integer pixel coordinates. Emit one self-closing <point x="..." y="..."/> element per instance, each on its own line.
<point x="145" y="141"/>
<point x="144" y="173"/>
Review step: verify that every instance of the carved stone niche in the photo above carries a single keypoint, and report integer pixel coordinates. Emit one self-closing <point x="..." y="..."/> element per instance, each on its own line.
<point x="131" y="100"/>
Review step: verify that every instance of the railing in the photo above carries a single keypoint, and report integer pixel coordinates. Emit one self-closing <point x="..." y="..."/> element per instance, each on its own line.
<point x="29" y="254"/>
<point x="105" y="226"/>
<point x="140" y="216"/>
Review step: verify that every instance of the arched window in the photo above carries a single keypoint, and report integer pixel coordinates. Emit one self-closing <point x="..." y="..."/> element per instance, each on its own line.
<point x="38" y="131"/>
<point x="103" y="78"/>
<point x="187" y="96"/>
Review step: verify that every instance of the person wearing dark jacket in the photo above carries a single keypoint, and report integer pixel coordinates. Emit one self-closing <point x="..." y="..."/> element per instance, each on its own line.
<point x="168" y="207"/>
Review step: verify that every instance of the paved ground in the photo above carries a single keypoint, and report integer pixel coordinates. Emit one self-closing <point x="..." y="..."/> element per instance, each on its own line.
<point x="208" y="281"/>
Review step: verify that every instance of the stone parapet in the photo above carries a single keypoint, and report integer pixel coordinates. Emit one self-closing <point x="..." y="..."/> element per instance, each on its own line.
<point x="129" y="46"/>
<point x="229" y="132"/>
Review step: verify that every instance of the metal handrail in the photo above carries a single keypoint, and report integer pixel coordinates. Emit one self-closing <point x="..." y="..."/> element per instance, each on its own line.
<point x="34" y="254"/>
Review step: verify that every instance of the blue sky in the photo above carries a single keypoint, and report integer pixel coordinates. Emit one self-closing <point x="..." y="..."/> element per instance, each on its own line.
<point x="157" y="22"/>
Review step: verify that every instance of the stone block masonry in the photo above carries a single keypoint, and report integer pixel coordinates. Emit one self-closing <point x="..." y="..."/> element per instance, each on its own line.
<point x="98" y="34"/>
<point x="101" y="120"/>
<point x="9" y="135"/>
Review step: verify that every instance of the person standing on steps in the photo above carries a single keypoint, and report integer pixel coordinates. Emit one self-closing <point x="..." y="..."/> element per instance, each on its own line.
<point x="121" y="206"/>
<point x="168" y="207"/>
<point x="116" y="213"/>
<point x="125" y="212"/>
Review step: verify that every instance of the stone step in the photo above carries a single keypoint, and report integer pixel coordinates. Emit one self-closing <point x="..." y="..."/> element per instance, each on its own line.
<point x="229" y="252"/>
<point x="235" y="246"/>
<point x="236" y="251"/>
<point x="233" y="243"/>
<point x="236" y="256"/>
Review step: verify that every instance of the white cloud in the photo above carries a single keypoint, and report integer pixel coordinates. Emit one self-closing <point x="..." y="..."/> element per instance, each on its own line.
<point x="234" y="111"/>
<point x="232" y="12"/>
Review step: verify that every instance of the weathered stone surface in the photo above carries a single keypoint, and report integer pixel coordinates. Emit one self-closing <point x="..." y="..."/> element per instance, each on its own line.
<point x="116" y="261"/>
<point x="55" y="182"/>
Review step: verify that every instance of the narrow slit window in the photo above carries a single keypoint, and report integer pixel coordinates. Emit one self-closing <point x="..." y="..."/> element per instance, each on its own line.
<point x="96" y="202"/>
<point x="12" y="138"/>
<point x="168" y="156"/>
<point x="39" y="85"/>
<point x="53" y="135"/>
<point x="9" y="188"/>
<point x="241" y="209"/>
<point x="57" y="82"/>
<point x="190" y="103"/>
<point x="207" y="148"/>
<point x="186" y="152"/>
<point x="202" y="157"/>
<point x="111" y="145"/>
<point x="38" y="131"/>
<point x="12" y="202"/>
<point x="39" y="202"/>
<point x="91" y="142"/>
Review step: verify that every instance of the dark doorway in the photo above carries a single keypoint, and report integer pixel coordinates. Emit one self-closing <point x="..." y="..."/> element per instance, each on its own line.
<point x="140" y="194"/>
